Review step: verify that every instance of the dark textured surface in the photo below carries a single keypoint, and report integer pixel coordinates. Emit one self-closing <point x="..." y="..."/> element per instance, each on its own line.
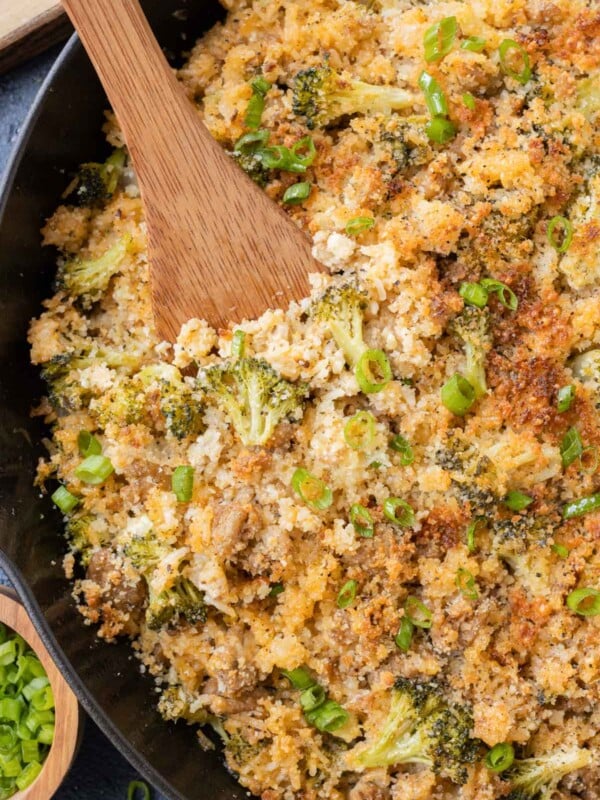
<point x="99" y="770"/>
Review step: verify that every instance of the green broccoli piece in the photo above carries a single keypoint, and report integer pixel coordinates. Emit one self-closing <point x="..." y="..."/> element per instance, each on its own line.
<point x="87" y="278"/>
<point x="421" y="728"/>
<point x="253" y="165"/>
<point x="322" y="96"/>
<point x="77" y="533"/>
<point x="175" y="703"/>
<point x="181" y="600"/>
<point x="123" y="404"/>
<point x="96" y="183"/>
<point x="183" y="412"/>
<point x="472" y="326"/>
<point x="588" y="95"/>
<point x="537" y="778"/>
<point x="341" y="309"/>
<point x="146" y="552"/>
<point x="254" y="397"/>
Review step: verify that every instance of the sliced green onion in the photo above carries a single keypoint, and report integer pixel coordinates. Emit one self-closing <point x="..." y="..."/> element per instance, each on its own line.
<point x="304" y="152"/>
<point x="238" y="344"/>
<point x="465" y="583"/>
<point x="458" y="395"/>
<point x="347" y="594"/>
<point x="417" y="612"/>
<point x="404" y="447"/>
<point x="468" y="101"/>
<point x="30" y="751"/>
<point x="328" y="717"/>
<point x="565" y="397"/>
<point x="94" y="470"/>
<point x="88" y="444"/>
<point x="505" y="294"/>
<point x="561" y="239"/>
<point x="8" y="738"/>
<point x="439" y="38"/>
<point x="373" y="371"/>
<point x="403" y="638"/>
<point x="475" y="44"/>
<point x="63" y="498"/>
<point x="312" y="697"/>
<point x="359" y="431"/>
<point x="585" y="602"/>
<point x="500" y="757"/>
<point x="399" y="512"/>
<point x="357" y="225"/>
<point x="440" y="130"/>
<point x="276" y="589"/>
<point x="435" y="99"/>
<point x="138" y="786"/>
<point x="561" y="550"/>
<point x="45" y="734"/>
<point x="182" y="483"/>
<point x="28" y="775"/>
<point x="508" y="50"/>
<point x="474" y="294"/>
<point x="311" y="490"/>
<point x="249" y="142"/>
<point x="517" y="501"/>
<point x="589" y="459"/>
<point x="571" y="447"/>
<point x="361" y="519"/>
<point x="584" y="505"/>
<point x="476" y="524"/>
<point x="299" y="678"/>
<point x="297" y="193"/>
<point x="256" y="104"/>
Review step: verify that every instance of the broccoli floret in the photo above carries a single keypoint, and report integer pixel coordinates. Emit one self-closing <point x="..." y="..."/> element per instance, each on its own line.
<point x="175" y="703"/>
<point x="182" y="599"/>
<point x="182" y="410"/>
<point x="588" y="96"/>
<point x="421" y="728"/>
<point x="254" y="397"/>
<point x="472" y="326"/>
<point x="537" y="778"/>
<point x="321" y="96"/>
<point x="96" y="183"/>
<point x="146" y="553"/>
<point x="122" y="404"/>
<point x="253" y="166"/>
<point x="77" y="533"/>
<point x="342" y="309"/>
<point x="87" y="278"/>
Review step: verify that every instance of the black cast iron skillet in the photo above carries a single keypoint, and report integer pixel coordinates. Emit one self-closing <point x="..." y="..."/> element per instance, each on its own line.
<point x="62" y="131"/>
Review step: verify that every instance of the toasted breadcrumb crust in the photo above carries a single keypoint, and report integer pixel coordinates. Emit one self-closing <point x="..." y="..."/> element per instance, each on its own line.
<point x="479" y="206"/>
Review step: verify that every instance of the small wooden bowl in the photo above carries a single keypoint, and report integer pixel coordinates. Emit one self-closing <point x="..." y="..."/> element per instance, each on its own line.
<point x="62" y="750"/>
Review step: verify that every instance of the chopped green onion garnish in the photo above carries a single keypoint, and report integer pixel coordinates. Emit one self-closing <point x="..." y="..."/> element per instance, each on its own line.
<point x="560" y="239"/>
<point x="238" y="344"/>
<point x="565" y="397"/>
<point x="440" y="130"/>
<point x="404" y="447"/>
<point x="589" y="459"/>
<point x="328" y="717"/>
<point x="439" y="38"/>
<point x="182" y="483"/>
<point x="312" y="697"/>
<point x="474" y="526"/>
<point x="585" y="602"/>
<point x="468" y="101"/>
<point x="458" y="395"/>
<point x="260" y="85"/>
<point x="347" y="594"/>
<point x="249" y="142"/>
<point x="500" y="757"/>
<point x="404" y="636"/>
<point x="417" y="612"/>
<point x="357" y="225"/>
<point x="571" y="447"/>
<point x="311" y="490"/>
<point x="88" y="444"/>
<point x="465" y="583"/>
<point x="505" y="294"/>
<point x="359" y="431"/>
<point x="138" y="786"/>
<point x="435" y="99"/>
<point x="276" y="589"/>
<point x="28" y="775"/>
<point x="510" y="51"/>
<point x="63" y="498"/>
<point x="297" y="193"/>
<point x="94" y="470"/>
<point x="584" y="505"/>
<point x="399" y="512"/>
<point x="299" y="678"/>
<point x="474" y="294"/>
<point x="361" y="519"/>
<point x="560" y="550"/>
<point x="517" y="501"/>
<point x="474" y="44"/>
<point x="256" y="104"/>
<point x="373" y="371"/>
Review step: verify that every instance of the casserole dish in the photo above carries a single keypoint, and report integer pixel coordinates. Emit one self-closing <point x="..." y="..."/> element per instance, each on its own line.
<point x="63" y="130"/>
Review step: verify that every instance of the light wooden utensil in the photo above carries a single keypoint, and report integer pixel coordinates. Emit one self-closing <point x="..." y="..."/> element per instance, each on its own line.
<point x="218" y="247"/>
<point x="62" y="750"/>
<point x="28" y="27"/>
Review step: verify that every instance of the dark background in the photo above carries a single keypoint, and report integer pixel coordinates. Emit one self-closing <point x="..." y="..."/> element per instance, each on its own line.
<point x="99" y="771"/>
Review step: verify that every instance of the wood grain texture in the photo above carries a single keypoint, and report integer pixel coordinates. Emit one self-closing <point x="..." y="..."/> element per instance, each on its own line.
<point x="59" y="759"/>
<point x="218" y="247"/>
<point x="27" y="27"/>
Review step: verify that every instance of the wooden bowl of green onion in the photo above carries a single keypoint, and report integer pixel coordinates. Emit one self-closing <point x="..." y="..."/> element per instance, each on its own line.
<point x="39" y="714"/>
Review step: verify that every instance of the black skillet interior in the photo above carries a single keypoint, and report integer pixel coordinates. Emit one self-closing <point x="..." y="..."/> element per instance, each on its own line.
<point x="63" y="131"/>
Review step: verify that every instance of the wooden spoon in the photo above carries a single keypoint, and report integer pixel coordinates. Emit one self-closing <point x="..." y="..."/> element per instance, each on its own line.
<point x="219" y="249"/>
